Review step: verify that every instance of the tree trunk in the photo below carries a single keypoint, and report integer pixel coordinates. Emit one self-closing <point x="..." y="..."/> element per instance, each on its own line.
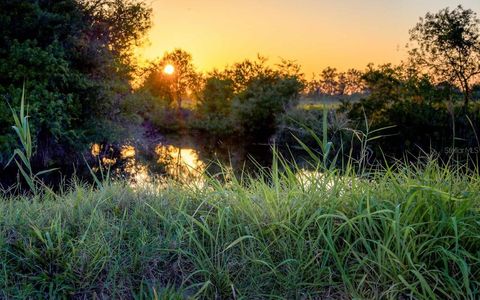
<point x="466" y="96"/>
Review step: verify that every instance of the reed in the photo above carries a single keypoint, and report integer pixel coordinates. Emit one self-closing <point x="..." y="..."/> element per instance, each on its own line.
<point x="23" y="154"/>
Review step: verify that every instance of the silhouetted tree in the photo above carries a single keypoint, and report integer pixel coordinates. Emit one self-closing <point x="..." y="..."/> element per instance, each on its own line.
<point x="172" y="88"/>
<point x="351" y="82"/>
<point x="242" y="73"/>
<point x="331" y="82"/>
<point x="120" y="24"/>
<point x="447" y="43"/>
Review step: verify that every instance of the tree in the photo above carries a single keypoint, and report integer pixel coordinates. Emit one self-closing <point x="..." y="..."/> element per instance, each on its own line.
<point x="214" y="105"/>
<point x="120" y="24"/>
<point x="384" y="84"/>
<point x="243" y="73"/>
<point x="174" y="87"/>
<point x="447" y="44"/>
<point x="215" y="99"/>
<point x="76" y="65"/>
<point x="256" y="109"/>
<point x="351" y="82"/>
<point x="329" y="81"/>
<point x="248" y="97"/>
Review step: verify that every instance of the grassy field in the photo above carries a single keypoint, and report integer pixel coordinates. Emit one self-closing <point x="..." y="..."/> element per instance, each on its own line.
<point x="412" y="233"/>
<point x="322" y="101"/>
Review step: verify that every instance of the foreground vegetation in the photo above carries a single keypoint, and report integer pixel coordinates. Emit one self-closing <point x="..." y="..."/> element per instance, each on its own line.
<point x="409" y="233"/>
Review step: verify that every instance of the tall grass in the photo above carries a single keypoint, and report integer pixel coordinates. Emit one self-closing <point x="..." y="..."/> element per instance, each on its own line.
<point x="409" y="233"/>
<point x="23" y="155"/>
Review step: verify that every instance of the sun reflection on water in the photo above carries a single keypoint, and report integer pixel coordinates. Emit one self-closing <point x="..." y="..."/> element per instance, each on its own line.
<point x="95" y="150"/>
<point x="137" y="173"/>
<point x="127" y="151"/>
<point x="181" y="164"/>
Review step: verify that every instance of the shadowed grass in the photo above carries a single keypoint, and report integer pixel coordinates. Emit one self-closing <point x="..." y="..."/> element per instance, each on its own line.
<point x="412" y="233"/>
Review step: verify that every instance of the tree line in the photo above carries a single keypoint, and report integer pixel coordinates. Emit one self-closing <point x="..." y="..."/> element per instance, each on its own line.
<point x="76" y="59"/>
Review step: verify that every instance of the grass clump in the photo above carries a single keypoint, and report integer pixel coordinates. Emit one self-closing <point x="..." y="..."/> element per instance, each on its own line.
<point x="409" y="233"/>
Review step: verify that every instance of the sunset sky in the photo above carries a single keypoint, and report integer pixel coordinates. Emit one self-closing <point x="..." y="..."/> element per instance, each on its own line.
<point x="315" y="33"/>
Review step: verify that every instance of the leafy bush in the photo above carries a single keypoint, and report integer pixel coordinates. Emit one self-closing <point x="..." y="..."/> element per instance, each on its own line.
<point x="247" y="99"/>
<point x="425" y="116"/>
<point x="214" y="107"/>
<point x="75" y="59"/>
<point x="257" y="108"/>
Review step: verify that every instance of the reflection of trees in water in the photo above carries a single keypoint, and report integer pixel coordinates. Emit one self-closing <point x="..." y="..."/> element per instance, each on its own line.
<point x="121" y="162"/>
<point x="182" y="157"/>
<point x="137" y="172"/>
<point x="232" y="153"/>
<point x="187" y="157"/>
<point x="180" y="163"/>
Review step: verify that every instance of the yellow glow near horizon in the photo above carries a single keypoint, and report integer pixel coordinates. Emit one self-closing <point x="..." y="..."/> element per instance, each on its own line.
<point x="315" y="33"/>
<point x="169" y="69"/>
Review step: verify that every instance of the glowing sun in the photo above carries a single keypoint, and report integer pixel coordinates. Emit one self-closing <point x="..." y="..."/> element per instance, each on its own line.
<point x="169" y="69"/>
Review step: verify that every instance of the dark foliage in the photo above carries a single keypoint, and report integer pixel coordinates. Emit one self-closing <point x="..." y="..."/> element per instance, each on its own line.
<point x="425" y="116"/>
<point x="74" y="57"/>
<point x="248" y="98"/>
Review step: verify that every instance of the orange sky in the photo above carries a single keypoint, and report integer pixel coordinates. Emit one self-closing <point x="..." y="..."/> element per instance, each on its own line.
<point x="315" y="33"/>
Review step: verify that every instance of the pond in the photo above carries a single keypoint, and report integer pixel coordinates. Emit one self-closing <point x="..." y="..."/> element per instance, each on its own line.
<point x="184" y="157"/>
<point x="148" y="155"/>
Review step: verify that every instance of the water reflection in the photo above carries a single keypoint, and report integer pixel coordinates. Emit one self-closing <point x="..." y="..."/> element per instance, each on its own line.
<point x="106" y="160"/>
<point x="151" y="158"/>
<point x="181" y="163"/>
<point x="134" y="171"/>
<point x="183" y="158"/>
<point x="127" y="151"/>
<point x="95" y="150"/>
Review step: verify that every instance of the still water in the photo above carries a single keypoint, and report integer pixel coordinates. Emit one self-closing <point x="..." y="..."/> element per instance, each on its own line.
<point x="144" y="160"/>
<point x="182" y="157"/>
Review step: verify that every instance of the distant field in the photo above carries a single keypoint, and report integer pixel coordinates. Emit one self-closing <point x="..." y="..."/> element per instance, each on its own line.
<point x="332" y="102"/>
